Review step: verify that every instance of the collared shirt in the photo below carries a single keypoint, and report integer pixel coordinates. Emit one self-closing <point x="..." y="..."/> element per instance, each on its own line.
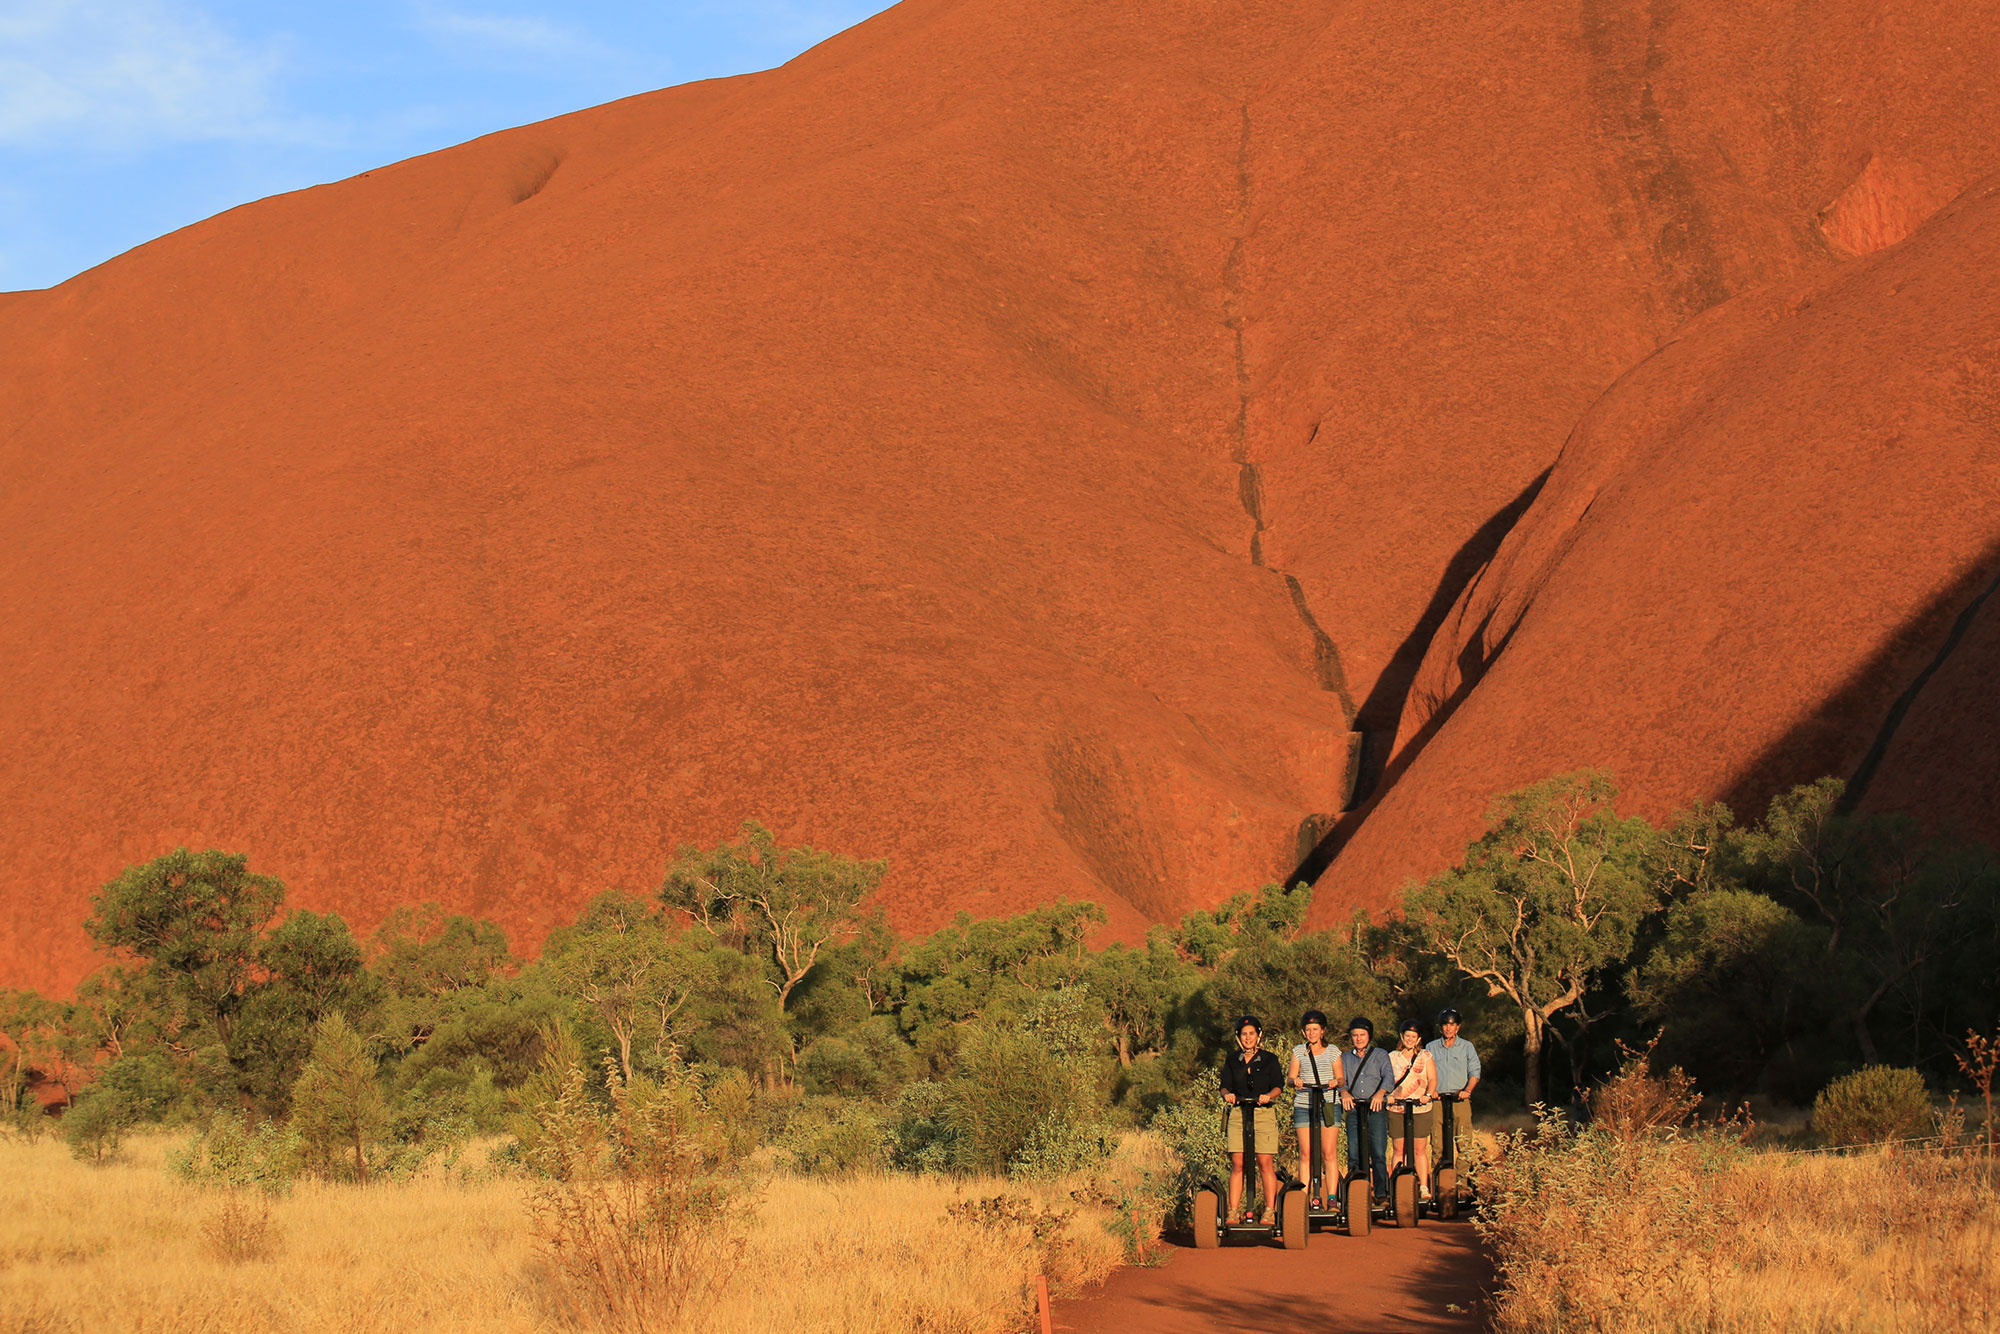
<point x="1368" y="1074"/>
<point x="1251" y="1080"/>
<point x="1457" y="1063"/>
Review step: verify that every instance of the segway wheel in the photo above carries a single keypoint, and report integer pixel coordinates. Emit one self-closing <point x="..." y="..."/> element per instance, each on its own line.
<point x="1297" y="1227"/>
<point x="1358" y="1219"/>
<point x="1447" y="1192"/>
<point x="1207" y="1231"/>
<point x="1405" y="1195"/>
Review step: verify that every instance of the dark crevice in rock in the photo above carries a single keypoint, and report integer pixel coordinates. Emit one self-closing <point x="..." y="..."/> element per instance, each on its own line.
<point x="1857" y="786"/>
<point x="1381" y="714"/>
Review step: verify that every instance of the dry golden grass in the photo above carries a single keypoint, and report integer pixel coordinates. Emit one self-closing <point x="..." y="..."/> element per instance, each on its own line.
<point x="1677" y="1235"/>
<point x="126" y="1247"/>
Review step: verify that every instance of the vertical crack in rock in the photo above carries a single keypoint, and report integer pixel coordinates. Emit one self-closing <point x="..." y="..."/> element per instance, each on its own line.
<point x="1249" y="481"/>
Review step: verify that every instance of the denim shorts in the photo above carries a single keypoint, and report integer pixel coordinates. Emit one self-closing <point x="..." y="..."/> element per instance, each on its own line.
<point x="1329" y="1116"/>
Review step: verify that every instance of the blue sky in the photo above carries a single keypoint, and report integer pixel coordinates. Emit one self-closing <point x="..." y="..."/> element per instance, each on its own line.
<point x="121" y="120"/>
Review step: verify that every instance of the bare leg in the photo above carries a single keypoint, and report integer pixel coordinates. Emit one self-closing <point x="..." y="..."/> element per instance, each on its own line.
<point x="1235" y="1186"/>
<point x="1329" y="1154"/>
<point x="1267" y="1168"/>
<point x="1424" y="1166"/>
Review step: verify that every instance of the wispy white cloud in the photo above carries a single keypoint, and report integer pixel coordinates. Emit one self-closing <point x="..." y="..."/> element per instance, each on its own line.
<point x="512" y="34"/>
<point x="123" y="74"/>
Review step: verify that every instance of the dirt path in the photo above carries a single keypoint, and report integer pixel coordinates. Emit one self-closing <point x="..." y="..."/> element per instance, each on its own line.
<point x="1389" y="1281"/>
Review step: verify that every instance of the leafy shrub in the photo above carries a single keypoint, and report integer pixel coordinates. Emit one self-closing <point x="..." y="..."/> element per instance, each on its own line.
<point x="94" y="1126"/>
<point x="1191" y="1129"/>
<point x="1040" y="1082"/>
<point x="735" y="1107"/>
<point x="1875" y="1104"/>
<point x="1060" y="1145"/>
<point x="229" y="1154"/>
<point x="840" y="1139"/>
<point x="921" y="1136"/>
<point x="151" y="1087"/>
<point x="866" y="1061"/>
<point x="628" y="1203"/>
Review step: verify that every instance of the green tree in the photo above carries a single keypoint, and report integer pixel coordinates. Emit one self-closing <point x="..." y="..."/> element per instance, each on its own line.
<point x="785" y="905"/>
<point x="1890" y="898"/>
<point x="1730" y="980"/>
<point x="1141" y="990"/>
<point x="1551" y="895"/>
<point x="337" y="1104"/>
<point x="196" y="917"/>
<point x="425" y="951"/>
<point x="621" y="965"/>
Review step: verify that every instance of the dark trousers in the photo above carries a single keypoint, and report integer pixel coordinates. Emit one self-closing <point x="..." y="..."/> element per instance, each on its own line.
<point x="1368" y="1145"/>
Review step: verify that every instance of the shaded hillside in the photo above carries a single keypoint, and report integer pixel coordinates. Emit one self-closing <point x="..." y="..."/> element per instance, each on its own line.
<point x="1765" y="554"/>
<point x="1013" y="440"/>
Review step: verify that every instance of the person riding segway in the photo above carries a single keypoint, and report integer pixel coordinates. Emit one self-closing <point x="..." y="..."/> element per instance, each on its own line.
<point x="1412" y="1099"/>
<point x="1457" y="1063"/>
<point x="1366" y="1076"/>
<point x="1251" y="1078"/>
<point x="1315" y="1073"/>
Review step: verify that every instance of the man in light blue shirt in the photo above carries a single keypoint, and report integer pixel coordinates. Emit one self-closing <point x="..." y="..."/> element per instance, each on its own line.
<point x="1366" y="1078"/>
<point x="1458" y="1072"/>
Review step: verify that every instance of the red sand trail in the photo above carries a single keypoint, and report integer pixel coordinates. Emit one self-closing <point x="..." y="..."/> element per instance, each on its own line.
<point x="1060" y="447"/>
<point x="1383" y="1283"/>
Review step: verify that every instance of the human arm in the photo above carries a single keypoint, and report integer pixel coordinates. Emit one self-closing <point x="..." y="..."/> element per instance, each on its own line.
<point x="1471" y="1070"/>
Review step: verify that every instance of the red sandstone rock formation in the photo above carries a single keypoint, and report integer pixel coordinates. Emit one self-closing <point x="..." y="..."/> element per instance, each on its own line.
<point x="1011" y="440"/>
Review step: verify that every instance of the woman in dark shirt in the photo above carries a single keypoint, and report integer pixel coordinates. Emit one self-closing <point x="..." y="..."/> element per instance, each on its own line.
<point x="1251" y="1078"/>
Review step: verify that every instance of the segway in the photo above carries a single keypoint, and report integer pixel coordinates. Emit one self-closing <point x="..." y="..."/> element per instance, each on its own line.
<point x="1444" y="1193"/>
<point x="1403" y="1190"/>
<point x="1357" y="1191"/>
<point x="1290" y="1227"/>
<point x="1328" y="1213"/>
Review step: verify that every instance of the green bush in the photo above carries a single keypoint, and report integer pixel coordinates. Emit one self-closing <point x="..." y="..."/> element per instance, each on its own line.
<point x="230" y="1154"/>
<point x="94" y="1126"/>
<point x="921" y="1135"/>
<point x="1191" y="1128"/>
<point x="1038" y="1084"/>
<point x="1875" y="1104"/>
<point x="836" y="1140"/>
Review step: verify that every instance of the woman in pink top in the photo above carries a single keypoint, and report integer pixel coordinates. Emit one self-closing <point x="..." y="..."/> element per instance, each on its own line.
<point x="1416" y="1081"/>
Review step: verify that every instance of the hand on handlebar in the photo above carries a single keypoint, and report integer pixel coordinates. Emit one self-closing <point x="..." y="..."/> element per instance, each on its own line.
<point x="1375" y="1103"/>
<point x="1346" y="1101"/>
<point x="1229" y="1098"/>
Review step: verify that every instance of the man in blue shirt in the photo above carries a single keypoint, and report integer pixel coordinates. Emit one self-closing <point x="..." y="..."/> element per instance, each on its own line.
<point x="1458" y="1072"/>
<point x="1364" y="1096"/>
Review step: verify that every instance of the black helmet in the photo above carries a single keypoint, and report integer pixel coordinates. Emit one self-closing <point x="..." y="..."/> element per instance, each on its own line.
<point x="1410" y="1025"/>
<point x="1249" y="1021"/>
<point x="1313" y="1017"/>
<point x="1361" y="1021"/>
<point x="1448" y="1016"/>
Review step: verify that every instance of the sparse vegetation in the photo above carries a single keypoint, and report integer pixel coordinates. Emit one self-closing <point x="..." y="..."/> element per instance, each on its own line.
<point x="1647" y="1221"/>
<point x="674" y="1059"/>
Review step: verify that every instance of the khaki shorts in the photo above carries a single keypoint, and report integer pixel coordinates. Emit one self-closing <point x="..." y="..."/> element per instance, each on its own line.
<point x="1461" y="1129"/>
<point x="1425" y="1121"/>
<point x="1266" y="1130"/>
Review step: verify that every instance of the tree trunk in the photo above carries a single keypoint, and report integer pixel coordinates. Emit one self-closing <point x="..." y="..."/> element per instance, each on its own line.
<point x="360" y="1161"/>
<point x="625" y="1051"/>
<point x="1532" y="1041"/>
<point x="1124" y="1050"/>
